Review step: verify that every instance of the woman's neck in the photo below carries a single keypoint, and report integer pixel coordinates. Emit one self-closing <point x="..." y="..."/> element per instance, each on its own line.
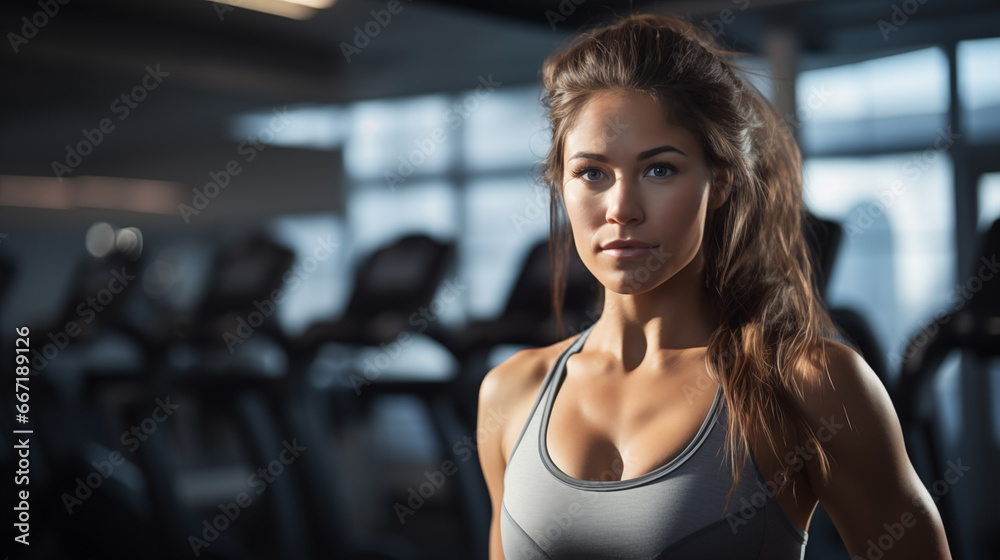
<point x="673" y="316"/>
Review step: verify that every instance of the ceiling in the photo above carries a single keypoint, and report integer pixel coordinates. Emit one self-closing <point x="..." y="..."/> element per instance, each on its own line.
<point x="67" y="77"/>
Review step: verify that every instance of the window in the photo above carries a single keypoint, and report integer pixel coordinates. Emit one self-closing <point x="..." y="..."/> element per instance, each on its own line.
<point x="404" y="137"/>
<point x="897" y="255"/>
<point x="322" y="292"/>
<point x="979" y="88"/>
<point x="877" y="104"/>
<point x="506" y="218"/>
<point x="989" y="200"/>
<point x="506" y="132"/>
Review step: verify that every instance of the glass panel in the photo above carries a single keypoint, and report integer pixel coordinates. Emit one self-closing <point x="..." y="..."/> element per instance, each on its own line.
<point x="403" y="137"/>
<point x="323" y="284"/>
<point x="505" y="217"/>
<point x="896" y="258"/>
<point x="314" y="127"/>
<point x="989" y="200"/>
<point x="505" y="129"/>
<point x="979" y="87"/>
<point x="874" y="104"/>
<point x="377" y="217"/>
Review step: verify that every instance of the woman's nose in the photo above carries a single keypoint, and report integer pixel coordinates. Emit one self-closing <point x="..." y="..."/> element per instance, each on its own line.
<point x="624" y="203"/>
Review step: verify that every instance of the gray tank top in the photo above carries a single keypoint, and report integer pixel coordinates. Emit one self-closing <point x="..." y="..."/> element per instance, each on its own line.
<point x="673" y="512"/>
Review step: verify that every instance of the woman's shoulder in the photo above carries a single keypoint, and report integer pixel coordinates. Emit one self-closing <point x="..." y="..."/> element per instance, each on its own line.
<point x="510" y="388"/>
<point x="840" y="390"/>
<point x="868" y="475"/>
<point x="836" y="370"/>
<point x="522" y="373"/>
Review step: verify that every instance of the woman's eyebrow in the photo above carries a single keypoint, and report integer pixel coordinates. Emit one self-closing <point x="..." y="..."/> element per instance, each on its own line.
<point x="644" y="155"/>
<point x="660" y="150"/>
<point x="588" y="155"/>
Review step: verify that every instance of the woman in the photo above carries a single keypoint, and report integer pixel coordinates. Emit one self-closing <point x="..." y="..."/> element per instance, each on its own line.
<point x="708" y="409"/>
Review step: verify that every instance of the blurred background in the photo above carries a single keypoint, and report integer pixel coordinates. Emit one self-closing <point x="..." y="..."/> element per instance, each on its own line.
<point x="266" y="250"/>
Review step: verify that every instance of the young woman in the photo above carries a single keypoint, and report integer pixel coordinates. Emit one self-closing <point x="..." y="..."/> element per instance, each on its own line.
<point x="709" y="408"/>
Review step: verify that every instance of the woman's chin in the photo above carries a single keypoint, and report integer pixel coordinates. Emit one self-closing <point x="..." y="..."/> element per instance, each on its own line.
<point x="627" y="283"/>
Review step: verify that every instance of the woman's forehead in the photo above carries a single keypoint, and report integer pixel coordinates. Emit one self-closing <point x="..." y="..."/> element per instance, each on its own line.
<point x="624" y="123"/>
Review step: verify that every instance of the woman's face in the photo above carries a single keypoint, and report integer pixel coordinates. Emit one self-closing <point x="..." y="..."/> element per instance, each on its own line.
<point x="634" y="179"/>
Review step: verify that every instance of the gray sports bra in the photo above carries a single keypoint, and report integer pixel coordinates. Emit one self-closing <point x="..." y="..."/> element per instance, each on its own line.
<point x="673" y="512"/>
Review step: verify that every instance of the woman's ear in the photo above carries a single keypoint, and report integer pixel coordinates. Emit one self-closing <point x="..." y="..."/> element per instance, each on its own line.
<point x="722" y="186"/>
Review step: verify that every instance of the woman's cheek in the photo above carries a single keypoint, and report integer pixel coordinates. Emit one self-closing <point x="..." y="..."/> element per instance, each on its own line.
<point x="680" y="210"/>
<point x="583" y="213"/>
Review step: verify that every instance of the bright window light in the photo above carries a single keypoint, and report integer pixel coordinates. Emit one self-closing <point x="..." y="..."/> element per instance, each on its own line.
<point x="913" y="83"/>
<point x="896" y="259"/>
<point x="313" y="127"/>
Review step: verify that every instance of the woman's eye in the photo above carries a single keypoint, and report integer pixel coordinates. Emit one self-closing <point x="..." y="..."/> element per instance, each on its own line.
<point x="589" y="174"/>
<point x="661" y="170"/>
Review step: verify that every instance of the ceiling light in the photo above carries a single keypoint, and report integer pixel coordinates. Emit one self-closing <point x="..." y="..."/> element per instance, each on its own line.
<point x="135" y="195"/>
<point x="293" y="9"/>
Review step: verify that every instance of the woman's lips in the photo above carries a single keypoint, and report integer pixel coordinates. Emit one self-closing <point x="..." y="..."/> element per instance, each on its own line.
<point x="628" y="252"/>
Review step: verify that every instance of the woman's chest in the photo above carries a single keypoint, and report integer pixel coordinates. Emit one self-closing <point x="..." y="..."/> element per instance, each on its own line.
<point x="603" y="428"/>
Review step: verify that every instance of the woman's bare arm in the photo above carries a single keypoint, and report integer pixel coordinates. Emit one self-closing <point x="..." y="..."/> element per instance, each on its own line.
<point x="492" y="396"/>
<point x="874" y="497"/>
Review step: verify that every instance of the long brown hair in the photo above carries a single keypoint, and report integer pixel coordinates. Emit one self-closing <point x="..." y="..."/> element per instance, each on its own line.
<point x="772" y="320"/>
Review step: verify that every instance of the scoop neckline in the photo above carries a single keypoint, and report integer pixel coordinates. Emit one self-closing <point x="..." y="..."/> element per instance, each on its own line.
<point x="662" y="470"/>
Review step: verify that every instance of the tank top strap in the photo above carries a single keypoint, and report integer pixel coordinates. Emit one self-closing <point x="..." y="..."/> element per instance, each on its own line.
<point x="547" y="384"/>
